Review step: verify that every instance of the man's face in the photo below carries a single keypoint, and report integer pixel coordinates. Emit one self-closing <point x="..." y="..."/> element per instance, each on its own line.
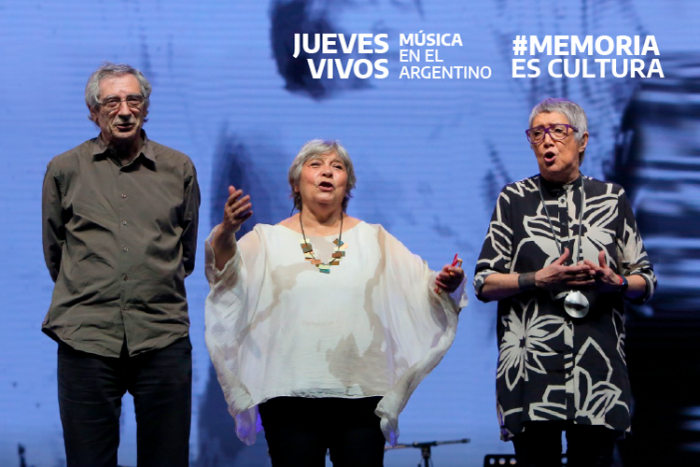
<point x="120" y="126"/>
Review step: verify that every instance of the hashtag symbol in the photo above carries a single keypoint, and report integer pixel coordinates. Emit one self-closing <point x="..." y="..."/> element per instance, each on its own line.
<point x="519" y="45"/>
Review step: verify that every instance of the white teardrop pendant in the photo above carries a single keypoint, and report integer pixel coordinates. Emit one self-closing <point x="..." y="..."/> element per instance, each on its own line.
<point x="576" y="304"/>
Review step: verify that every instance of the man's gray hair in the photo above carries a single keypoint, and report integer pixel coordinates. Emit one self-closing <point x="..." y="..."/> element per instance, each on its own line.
<point x="107" y="69"/>
<point x="571" y="110"/>
<point x="316" y="148"/>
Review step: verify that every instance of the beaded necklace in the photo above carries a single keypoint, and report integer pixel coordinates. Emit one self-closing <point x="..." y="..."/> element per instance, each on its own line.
<point x="308" y="249"/>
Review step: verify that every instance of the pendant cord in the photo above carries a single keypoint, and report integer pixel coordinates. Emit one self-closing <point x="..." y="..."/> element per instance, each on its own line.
<point x="580" y="219"/>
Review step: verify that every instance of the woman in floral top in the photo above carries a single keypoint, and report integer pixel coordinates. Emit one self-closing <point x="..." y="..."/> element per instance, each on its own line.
<point x="561" y="253"/>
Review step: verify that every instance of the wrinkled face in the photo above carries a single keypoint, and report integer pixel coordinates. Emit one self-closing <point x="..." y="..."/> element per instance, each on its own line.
<point x="123" y="124"/>
<point x="323" y="180"/>
<point x="558" y="160"/>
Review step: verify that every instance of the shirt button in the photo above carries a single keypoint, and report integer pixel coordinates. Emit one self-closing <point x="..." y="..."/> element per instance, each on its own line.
<point x="123" y="195"/>
<point x="126" y="278"/>
<point x="123" y="222"/>
<point x="125" y="308"/>
<point x="126" y="248"/>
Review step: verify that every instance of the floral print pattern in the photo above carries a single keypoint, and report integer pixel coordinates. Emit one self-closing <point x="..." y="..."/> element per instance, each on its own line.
<point x="525" y="341"/>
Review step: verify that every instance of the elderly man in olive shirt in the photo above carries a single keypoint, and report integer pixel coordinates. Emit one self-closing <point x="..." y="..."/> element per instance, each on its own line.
<point x="120" y="219"/>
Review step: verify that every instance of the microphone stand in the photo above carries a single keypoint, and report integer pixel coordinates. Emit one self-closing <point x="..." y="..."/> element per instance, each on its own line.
<point x="425" y="448"/>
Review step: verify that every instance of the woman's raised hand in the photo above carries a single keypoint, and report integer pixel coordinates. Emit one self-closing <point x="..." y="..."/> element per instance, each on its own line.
<point x="236" y="211"/>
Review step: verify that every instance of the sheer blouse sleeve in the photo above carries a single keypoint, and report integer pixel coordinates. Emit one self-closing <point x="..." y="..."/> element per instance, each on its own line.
<point x="229" y="310"/>
<point x="420" y="324"/>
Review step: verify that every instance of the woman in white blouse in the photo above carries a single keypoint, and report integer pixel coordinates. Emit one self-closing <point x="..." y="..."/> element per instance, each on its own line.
<point x="322" y="324"/>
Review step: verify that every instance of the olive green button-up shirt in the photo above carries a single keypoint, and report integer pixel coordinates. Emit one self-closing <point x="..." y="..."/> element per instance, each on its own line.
<point x="119" y="241"/>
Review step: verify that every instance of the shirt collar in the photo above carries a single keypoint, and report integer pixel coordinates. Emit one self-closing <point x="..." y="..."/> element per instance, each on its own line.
<point x="101" y="150"/>
<point x="556" y="189"/>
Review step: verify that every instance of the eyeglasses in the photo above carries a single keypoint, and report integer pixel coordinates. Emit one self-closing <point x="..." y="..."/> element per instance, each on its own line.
<point x="557" y="131"/>
<point x="111" y="104"/>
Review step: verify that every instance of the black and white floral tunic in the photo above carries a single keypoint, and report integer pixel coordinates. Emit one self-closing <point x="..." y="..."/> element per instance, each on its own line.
<point x="552" y="366"/>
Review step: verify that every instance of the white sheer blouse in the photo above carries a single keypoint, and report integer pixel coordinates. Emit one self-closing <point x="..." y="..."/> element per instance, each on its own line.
<point x="276" y="326"/>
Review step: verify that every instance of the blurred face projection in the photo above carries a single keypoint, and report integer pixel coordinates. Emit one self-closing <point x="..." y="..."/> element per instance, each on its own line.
<point x="317" y="56"/>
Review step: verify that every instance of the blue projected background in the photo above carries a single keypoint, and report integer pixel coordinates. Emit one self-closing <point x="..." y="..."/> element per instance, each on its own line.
<point x="430" y="156"/>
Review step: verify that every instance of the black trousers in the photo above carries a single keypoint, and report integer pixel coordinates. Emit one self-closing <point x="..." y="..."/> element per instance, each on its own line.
<point x="587" y="446"/>
<point x="299" y="431"/>
<point x="90" y="390"/>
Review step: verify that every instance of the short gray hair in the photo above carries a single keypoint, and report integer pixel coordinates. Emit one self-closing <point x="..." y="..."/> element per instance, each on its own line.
<point x="571" y="110"/>
<point x="107" y="69"/>
<point x="316" y="148"/>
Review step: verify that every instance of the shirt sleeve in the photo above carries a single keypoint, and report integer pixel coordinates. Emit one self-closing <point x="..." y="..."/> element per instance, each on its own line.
<point x="497" y="250"/>
<point x="229" y="309"/>
<point x="190" y="220"/>
<point x="633" y="258"/>
<point x="53" y="228"/>
<point x="420" y="324"/>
